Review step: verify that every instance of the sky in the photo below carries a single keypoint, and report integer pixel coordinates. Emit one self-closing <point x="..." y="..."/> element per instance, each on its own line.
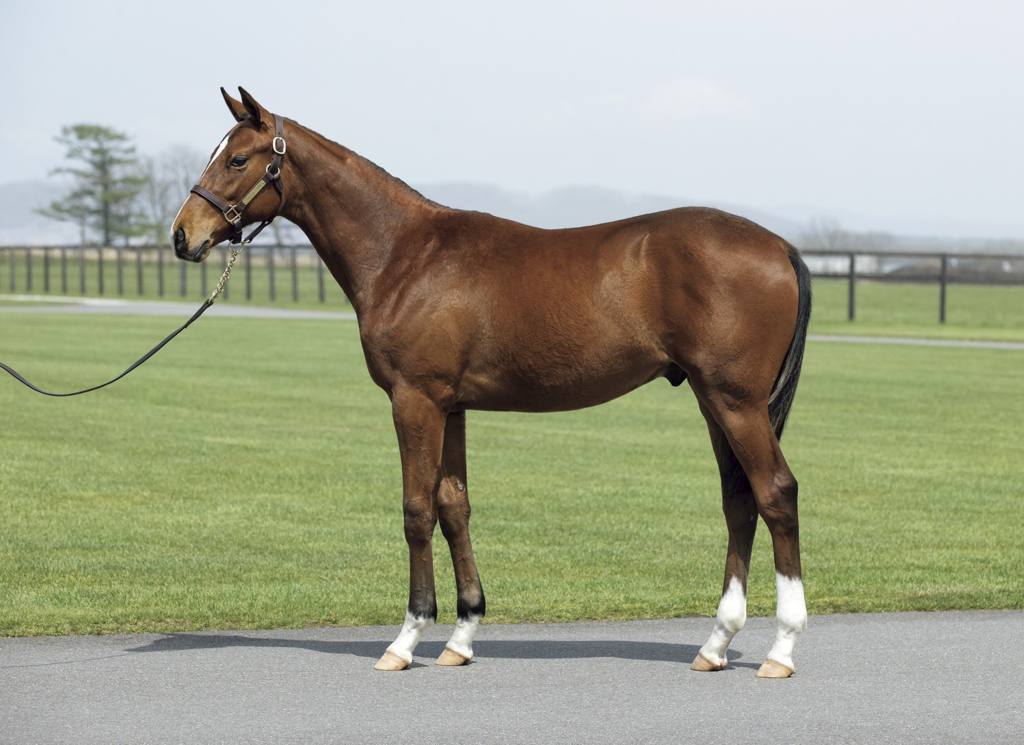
<point x="902" y="116"/>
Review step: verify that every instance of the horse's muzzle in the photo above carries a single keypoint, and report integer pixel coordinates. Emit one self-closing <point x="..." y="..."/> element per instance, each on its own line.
<point x="181" y="247"/>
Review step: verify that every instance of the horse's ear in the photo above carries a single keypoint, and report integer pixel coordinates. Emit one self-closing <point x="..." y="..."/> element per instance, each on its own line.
<point x="234" y="106"/>
<point x="252" y="109"/>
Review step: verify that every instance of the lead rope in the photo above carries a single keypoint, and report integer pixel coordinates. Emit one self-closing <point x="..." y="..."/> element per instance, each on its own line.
<point x="195" y="316"/>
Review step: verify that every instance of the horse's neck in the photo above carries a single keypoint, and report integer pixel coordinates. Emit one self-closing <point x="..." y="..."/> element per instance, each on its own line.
<point x="352" y="211"/>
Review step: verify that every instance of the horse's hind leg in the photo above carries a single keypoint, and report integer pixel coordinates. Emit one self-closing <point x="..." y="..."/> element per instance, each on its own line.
<point x="741" y="519"/>
<point x="753" y="441"/>
<point x="453" y="511"/>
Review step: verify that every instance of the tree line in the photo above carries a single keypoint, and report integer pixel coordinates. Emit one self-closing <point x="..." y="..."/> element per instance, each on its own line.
<point x="117" y="195"/>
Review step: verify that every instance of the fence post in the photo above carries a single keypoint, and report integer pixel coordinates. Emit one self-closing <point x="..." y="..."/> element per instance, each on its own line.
<point x="319" y="277"/>
<point x="28" y="269"/>
<point x="12" y="260"/>
<point x="270" y="268"/>
<point x="248" y="274"/>
<point x="119" y="260"/>
<point x="943" y="272"/>
<point x="100" y="251"/>
<point x="46" y="270"/>
<point x="182" y="280"/>
<point x="138" y="270"/>
<point x="81" y="270"/>
<point x="159" y="271"/>
<point x="295" y="275"/>
<point x="63" y="271"/>
<point x="851" y="293"/>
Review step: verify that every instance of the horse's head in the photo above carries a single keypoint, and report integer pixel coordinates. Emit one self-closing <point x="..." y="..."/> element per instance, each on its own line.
<point x="230" y="194"/>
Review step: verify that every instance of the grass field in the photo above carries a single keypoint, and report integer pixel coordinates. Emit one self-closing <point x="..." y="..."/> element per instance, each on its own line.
<point x="912" y="309"/>
<point x="249" y="477"/>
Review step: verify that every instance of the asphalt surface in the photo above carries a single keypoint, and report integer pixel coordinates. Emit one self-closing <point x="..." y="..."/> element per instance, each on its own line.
<point x="885" y="678"/>
<point x="113" y="306"/>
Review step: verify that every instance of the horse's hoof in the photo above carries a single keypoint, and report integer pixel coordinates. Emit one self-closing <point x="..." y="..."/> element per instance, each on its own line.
<point x="773" y="669"/>
<point x="703" y="665"/>
<point x="391" y="661"/>
<point x="451" y="658"/>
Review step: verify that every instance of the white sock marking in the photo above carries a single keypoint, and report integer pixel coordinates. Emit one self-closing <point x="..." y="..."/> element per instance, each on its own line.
<point x="732" y="614"/>
<point x="791" y="611"/>
<point x="409" y="636"/>
<point x="462" y="636"/>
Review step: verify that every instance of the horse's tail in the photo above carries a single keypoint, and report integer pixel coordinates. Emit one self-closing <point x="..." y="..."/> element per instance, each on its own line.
<point x="784" y="390"/>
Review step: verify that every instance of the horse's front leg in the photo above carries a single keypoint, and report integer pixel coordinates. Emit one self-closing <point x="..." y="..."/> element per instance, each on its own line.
<point x="419" y="423"/>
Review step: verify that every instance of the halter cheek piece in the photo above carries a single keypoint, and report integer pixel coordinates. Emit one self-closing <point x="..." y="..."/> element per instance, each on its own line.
<point x="272" y="177"/>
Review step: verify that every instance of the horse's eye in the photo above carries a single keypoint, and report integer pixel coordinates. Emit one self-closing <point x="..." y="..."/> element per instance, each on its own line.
<point x="238" y="161"/>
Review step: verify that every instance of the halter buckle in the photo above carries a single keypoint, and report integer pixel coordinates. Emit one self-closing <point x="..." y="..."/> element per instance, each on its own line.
<point x="273" y="173"/>
<point x="281" y="148"/>
<point x="233" y="215"/>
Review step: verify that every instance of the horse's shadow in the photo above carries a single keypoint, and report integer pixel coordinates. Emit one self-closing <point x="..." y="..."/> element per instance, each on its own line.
<point x="539" y="649"/>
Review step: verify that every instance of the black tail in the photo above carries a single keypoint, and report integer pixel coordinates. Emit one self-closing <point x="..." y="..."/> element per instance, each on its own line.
<point x="785" y="385"/>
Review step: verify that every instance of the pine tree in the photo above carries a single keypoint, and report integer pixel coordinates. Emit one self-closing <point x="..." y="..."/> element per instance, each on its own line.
<point x="107" y="183"/>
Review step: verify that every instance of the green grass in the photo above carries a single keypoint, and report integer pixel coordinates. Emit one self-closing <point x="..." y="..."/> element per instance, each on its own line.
<point x="249" y="477"/>
<point x="912" y="309"/>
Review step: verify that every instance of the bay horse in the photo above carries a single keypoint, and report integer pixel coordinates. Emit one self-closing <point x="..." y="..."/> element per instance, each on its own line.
<point x="462" y="310"/>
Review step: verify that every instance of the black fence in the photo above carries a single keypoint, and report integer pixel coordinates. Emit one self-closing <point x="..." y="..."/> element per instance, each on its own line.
<point x="940" y="269"/>
<point x="265" y="272"/>
<point x="283" y="273"/>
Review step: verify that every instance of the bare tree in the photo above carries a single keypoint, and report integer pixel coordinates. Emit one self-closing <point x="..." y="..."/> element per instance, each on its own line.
<point x="182" y="166"/>
<point x="168" y="179"/>
<point x="825" y="234"/>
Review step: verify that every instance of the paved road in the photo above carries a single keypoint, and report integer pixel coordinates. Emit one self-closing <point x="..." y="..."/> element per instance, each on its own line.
<point x="910" y="341"/>
<point x="898" y="678"/>
<point x="112" y="306"/>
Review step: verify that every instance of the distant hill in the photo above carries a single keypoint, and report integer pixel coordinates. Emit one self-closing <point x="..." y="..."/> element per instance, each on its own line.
<point x="571" y="206"/>
<point x="21" y="225"/>
<point x="559" y="208"/>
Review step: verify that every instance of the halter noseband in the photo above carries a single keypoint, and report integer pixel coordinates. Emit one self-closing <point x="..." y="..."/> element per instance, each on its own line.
<point x="272" y="177"/>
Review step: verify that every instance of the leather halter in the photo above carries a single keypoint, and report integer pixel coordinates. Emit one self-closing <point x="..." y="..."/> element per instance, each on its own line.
<point x="272" y="177"/>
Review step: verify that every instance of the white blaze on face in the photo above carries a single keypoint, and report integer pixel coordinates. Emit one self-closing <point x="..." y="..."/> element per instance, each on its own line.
<point x="409" y="636"/>
<point x="732" y="614"/>
<point x="462" y="636"/>
<point x="220" y="149"/>
<point x="791" y="612"/>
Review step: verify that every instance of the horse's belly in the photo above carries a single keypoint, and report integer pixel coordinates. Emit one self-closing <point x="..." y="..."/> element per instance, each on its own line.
<point x="558" y="381"/>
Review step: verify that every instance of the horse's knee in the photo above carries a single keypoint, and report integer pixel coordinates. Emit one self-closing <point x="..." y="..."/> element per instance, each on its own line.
<point x="420" y="519"/>
<point x="777" y="502"/>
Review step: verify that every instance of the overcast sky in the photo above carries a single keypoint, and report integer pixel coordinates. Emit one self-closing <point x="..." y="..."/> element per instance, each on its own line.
<point x="900" y="115"/>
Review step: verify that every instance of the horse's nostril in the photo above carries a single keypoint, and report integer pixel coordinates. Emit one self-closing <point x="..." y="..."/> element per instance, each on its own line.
<point x="180" y="244"/>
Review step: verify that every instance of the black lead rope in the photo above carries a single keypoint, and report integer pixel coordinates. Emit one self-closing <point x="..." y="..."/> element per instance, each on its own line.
<point x="21" y="379"/>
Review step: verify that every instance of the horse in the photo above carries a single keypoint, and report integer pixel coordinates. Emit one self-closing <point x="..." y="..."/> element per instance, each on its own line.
<point x="462" y="310"/>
